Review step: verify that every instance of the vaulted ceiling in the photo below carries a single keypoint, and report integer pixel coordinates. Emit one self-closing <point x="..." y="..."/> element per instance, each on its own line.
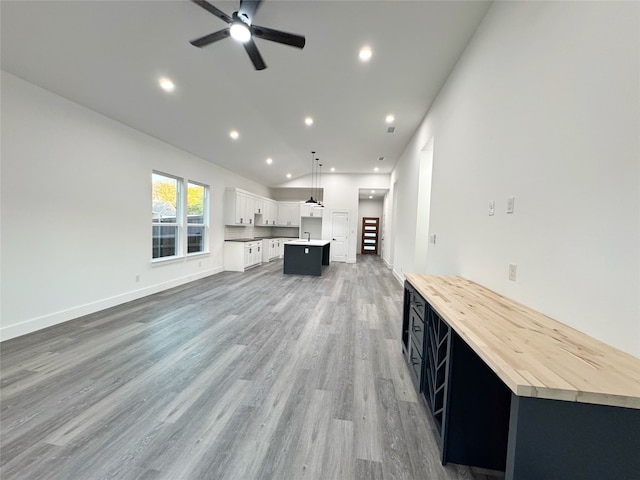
<point x="109" y="56"/>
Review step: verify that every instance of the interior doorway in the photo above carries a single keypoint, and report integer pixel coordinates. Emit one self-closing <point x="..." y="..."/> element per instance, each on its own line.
<point x="339" y="236"/>
<point x="370" y="235"/>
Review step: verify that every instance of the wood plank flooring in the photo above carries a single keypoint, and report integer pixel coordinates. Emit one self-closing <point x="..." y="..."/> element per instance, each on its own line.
<point x="254" y="375"/>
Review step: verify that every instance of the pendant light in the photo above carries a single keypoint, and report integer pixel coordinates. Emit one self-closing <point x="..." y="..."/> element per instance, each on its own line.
<point x="319" y="169"/>
<point x="311" y="200"/>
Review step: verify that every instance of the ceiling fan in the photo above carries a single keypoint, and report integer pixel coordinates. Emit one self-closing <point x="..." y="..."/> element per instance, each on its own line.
<point x="242" y="29"/>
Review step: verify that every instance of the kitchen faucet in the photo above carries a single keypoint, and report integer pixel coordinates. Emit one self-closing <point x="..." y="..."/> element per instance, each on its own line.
<point x="308" y="236"/>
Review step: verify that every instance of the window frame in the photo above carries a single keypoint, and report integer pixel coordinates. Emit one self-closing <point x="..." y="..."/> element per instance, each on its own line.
<point x="205" y="218"/>
<point x="178" y="218"/>
<point x="181" y="223"/>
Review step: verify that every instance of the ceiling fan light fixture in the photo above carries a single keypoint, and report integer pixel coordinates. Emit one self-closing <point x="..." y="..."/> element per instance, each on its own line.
<point x="240" y="31"/>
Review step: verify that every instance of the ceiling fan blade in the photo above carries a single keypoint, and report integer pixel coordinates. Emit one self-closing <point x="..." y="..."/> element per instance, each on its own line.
<point x="208" y="39"/>
<point x="277" y="36"/>
<point x="248" y="9"/>
<point x="210" y="8"/>
<point x="254" y="54"/>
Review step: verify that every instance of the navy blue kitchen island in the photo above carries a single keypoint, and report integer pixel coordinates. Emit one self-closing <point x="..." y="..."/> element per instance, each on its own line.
<point x="306" y="257"/>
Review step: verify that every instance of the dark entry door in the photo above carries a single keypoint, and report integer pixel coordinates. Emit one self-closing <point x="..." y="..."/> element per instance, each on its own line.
<point x="370" y="227"/>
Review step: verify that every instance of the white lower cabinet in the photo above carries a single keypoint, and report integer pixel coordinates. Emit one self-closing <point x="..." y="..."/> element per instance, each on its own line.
<point x="274" y="252"/>
<point x="270" y="249"/>
<point x="240" y="256"/>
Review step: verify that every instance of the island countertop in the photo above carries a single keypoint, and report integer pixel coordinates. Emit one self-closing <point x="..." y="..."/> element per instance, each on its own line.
<point x="308" y="243"/>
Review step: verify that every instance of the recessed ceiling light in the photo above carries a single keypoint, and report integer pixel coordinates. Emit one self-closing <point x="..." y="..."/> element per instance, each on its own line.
<point x="167" y="85"/>
<point x="376" y="169"/>
<point x="390" y="118"/>
<point x="333" y="169"/>
<point x="269" y="160"/>
<point x="373" y="191"/>
<point x="308" y="121"/>
<point x="365" y="54"/>
<point x="288" y="175"/>
<point x="370" y="196"/>
<point x="234" y="134"/>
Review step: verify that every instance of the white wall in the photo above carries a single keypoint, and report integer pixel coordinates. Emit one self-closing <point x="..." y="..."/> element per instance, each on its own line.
<point x="75" y="199"/>
<point x="369" y="208"/>
<point x="543" y="105"/>
<point x="341" y="192"/>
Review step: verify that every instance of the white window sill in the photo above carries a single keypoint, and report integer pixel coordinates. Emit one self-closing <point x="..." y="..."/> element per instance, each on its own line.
<point x="175" y="259"/>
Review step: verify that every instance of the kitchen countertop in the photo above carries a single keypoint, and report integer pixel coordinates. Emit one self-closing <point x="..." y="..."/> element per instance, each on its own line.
<point x="255" y="239"/>
<point x="308" y="243"/>
<point x="534" y="355"/>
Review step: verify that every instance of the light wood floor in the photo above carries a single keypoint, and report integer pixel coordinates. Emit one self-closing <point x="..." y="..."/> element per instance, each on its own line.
<point x="252" y="375"/>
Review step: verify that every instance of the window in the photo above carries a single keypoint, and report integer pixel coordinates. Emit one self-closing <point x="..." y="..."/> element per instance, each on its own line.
<point x="175" y="234"/>
<point x="196" y="222"/>
<point x="165" y="215"/>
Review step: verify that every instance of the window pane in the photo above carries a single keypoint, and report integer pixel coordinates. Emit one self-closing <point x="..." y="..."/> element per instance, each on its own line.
<point x="195" y="239"/>
<point x="164" y="196"/>
<point x="195" y="203"/>
<point x="164" y="240"/>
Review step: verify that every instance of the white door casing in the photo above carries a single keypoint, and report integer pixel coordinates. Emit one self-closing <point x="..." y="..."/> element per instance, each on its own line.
<point x="339" y="236"/>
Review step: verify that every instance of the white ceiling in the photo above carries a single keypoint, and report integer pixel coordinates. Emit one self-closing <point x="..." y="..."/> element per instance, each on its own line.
<point x="108" y="55"/>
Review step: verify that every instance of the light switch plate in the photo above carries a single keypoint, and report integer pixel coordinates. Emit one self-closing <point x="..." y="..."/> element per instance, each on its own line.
<point x="510" y="202"/>
<point x="512" y="272"/>
<point x="492" y="207"/>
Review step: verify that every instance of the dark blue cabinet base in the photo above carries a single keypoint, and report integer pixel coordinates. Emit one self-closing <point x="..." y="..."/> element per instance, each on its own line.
<point x="557" y="440"/>
<point x="305" y="259"/>
<point x="480" y="422"/>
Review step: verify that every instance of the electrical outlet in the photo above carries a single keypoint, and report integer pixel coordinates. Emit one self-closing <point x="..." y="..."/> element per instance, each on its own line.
<point x="432" y="238"/>
<point x="492" y="207"/>
<point x="512" y="272"/>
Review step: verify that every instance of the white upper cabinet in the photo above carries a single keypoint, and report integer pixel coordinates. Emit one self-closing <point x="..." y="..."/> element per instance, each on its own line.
<point x="269" y="213"/>
<point x="244" y="208"/>
<point x="238" y="207"/>
<point x="288" y="214"/>
<point x="308" y="210"/>
<point x="258" y="206"/>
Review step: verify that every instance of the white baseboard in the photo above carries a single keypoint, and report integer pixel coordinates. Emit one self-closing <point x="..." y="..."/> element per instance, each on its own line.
<point x="38" y="323"/>
<point x="399" y="277"/>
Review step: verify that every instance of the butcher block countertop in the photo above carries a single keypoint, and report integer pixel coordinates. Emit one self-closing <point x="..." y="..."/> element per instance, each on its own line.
<point x="534" y="355"/>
